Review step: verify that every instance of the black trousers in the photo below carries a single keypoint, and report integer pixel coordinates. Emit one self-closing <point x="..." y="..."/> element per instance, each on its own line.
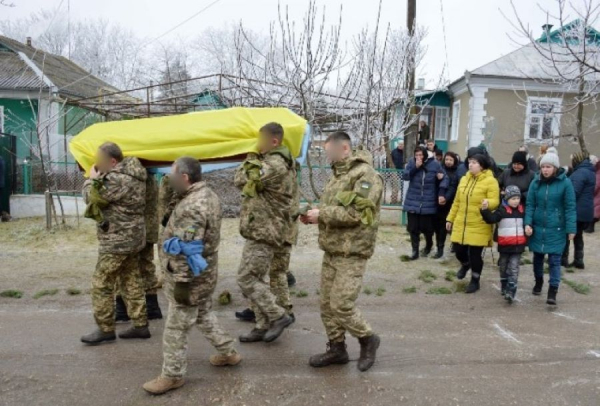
<point x="440" y="225"/>
<point x="577" y="242"/>
<point x="472" y="255"/>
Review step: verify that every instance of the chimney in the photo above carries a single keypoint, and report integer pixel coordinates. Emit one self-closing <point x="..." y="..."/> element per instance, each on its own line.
<point x="28" y="42"/>
<point x="547" y="28"/>
<point x="421" y="84"/>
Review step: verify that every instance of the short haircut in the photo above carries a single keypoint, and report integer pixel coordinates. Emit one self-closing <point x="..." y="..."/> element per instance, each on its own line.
<point x="274" y="130"/>
<point x="338" y="136"/>
<point x="189" y="166"/>
<point x="430" y="141"/>
<point x="112" y="150"/>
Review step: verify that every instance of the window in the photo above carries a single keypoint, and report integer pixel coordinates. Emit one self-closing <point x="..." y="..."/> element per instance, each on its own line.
<point x="455" y="120"/>
<point x="441" y="123"/>
<point x="543" y="118"/>
<point x="2" y="120"/>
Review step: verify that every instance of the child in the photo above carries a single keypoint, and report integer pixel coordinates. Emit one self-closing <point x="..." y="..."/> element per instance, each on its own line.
<point x="511" y="238"/>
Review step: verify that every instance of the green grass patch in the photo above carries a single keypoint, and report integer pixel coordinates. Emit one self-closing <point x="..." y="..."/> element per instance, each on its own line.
<point x="439" y="290"/>
<point x="367" y="291"/>
<point x="302" y="293"/>
<point x="546" y="270"/>
<point x="404" y="258"/>
<point x="14" y="294"/>
<point x="570" y="270"/>
<point x="460" y="286"/>
<point x="427" y="276"/>
<point x="581" y="288"/>
<point x="380" y="291"/>
<point x="45" y="292"/>
<point x="73" y="291"/>
<point x="450" y="276"/>
<point x="410" y="289"/>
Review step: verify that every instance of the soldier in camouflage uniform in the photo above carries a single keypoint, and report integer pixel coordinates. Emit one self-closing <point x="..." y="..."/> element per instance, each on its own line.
<point x="196" y="218"/>
<point x="348" y="217"/>
<point x="267" y="182"/>
<point x="147" y="267"/>
<point x="122" y="236"/>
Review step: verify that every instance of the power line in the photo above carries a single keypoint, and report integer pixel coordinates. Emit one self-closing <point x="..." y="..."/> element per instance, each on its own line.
<point x="445" y="41"/>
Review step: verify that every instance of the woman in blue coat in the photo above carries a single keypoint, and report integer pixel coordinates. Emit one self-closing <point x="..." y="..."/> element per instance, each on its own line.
<point x="550" y="217"/>
<point x="583" y="179"/>
<point x="426" y="189"/>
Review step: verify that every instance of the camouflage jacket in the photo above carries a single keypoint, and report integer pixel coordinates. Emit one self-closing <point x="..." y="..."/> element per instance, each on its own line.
<point x="167" y="199"/>
<point x="266" y="217"/>
<point x="292" y="234"/>
<point x="151" y="211"/>
<point x="197" y="216"/>
<point x="124" y="188"/>
<point x="341" y="231"/>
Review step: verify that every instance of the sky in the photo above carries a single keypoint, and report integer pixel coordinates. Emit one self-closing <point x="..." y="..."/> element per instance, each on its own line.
<point x="476" y="31"/>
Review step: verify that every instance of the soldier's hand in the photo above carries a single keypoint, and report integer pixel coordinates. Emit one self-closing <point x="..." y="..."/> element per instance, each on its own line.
<point x="94" y="172"/>
<point x="313" y="216"/>
<point x="303" y="219"/>
<point x="181" y="292"/>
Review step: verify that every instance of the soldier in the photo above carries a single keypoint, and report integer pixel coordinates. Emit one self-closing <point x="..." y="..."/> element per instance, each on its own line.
<point x="147" y="267"/>
<point x="348" y="217"/>
<point x="120" y="184"/>
<point x="191" y="244"/>
<point x="267" y="183"/>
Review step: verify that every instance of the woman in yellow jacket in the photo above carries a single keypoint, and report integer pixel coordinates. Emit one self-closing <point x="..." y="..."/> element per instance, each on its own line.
<point x="470" y="233"/>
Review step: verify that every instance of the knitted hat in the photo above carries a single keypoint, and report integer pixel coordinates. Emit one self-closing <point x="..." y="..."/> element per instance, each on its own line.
<point x="552" y="150"/>
<point x="550" y="159"/>
<point x="578" y="158"/>
<point x="511" y="191"/>
<point x="520" y="157"/>
<point x="483" y="160"/>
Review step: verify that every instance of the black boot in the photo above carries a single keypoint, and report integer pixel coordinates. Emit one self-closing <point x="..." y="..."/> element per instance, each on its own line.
<point x="135" y="332"/>
<point x="153" y="308"/>
<point x="277" y="328"/>
<point x="539" y="282"/>
<point x="564" y="260"/>
<point x="291" y="279"/>
<point x="98" y="337"/>
<point x="511" y="292"/>
<point x="427" y="250"/>
<point x="246" y="315"/>
<point x="462" y="272"/>
<point x="503" y="285"/>
<point x="578" y="262"/>
<point x="336" y="354"/>
<point x="253" y="336"/>
<point x="414" y="242"/>
<point x="368" y="350"/>
<point x="440" y="252"/>
<point x="120" y="310"/>
<point x="473" y="286"/>
<point x="552" y="290"/>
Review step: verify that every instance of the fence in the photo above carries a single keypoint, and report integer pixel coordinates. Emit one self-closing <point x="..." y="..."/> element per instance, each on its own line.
<point x="31" y="178"/>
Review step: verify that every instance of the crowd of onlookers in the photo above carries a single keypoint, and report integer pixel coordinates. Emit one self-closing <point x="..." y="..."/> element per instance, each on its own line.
<point x="533" y="202"/>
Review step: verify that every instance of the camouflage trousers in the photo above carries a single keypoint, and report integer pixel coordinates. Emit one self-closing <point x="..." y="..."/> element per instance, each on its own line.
<point x="257" y="258"/>
<point x="341" y="282"/>
<point x="181" y="319"/>
<point x="148" y="269"/>
<point x="109" y="269"/>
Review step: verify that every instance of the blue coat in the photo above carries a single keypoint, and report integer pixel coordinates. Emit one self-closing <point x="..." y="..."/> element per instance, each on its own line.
<point x="551" y="213"/>
<point x="424" y="187"/>
<point x="583" y="179"/>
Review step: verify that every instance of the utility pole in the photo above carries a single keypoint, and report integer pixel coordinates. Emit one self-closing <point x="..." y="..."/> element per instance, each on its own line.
<point x="410" y="132"/>
<point x="411" y="15"/>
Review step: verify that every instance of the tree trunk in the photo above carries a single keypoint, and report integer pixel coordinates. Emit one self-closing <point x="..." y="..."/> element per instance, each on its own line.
<point x="579" y="120"/>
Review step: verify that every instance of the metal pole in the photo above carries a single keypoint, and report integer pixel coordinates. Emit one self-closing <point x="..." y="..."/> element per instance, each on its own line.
<point x="48" y="196"/>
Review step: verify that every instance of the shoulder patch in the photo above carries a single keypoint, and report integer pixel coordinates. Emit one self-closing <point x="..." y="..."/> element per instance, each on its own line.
<point x="365" y="187"/>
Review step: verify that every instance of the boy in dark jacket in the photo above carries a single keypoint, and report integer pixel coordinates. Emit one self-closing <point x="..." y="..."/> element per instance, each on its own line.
<point x="511" y="238"/>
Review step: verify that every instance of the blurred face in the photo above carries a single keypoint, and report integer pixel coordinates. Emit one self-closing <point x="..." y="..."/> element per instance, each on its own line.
<point x="267" y="142"/>
<point x="104" y="163"/>
<point x="522" y="149"/>
<point x="474" y="166"/>
<point x="547" y="170"/>
<point x="517" y="167"/>
<point x="401" y="146"/>
<point x="430" y="146"/>
<point x="514" y="202"/>
<point x="449" y="161"/>
<point x="337" y="151"/>
<point x="419" y="155"/>
<point x="180" y="183"/>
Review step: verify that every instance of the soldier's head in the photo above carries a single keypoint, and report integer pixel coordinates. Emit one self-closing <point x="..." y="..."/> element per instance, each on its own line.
<point x="108" y="156"/>
<point x="184" y="173"/>
<point x="338" y="146"/>
<point x="270" y="137"/>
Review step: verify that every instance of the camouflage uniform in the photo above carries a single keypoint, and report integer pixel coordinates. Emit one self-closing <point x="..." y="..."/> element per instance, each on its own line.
<point x="265" y="221"/>
<point x="147" y="267"/>
<point x="197" y="216"/>
<point x="124" y="187"/>
<point x="348" y="243"/>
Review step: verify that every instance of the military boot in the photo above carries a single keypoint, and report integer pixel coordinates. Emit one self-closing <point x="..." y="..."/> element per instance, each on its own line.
<point x="246" y="315"/>
<point x="162" y="385"/>
<point x="336" y="353"/>
<point x="368" y="351"/>
<point x="253" y="336"/>
<point x="153" y="308"/>
<point x="135" y="332"/>
<point x="291" y="280"/>
<point x="219" y="360"/>
<point x="120" y="310"/>
<point x="98" y="337"/>
<point x="277" y="328"/>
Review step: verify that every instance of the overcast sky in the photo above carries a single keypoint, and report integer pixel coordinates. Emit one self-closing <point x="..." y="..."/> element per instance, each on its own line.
<point x="476" y="30"/>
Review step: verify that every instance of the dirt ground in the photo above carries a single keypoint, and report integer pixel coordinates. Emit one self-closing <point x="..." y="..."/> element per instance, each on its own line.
<point x="437" y="349"/>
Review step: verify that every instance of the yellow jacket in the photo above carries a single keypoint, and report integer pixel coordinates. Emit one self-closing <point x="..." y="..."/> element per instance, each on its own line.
<point x="468" y="226"/>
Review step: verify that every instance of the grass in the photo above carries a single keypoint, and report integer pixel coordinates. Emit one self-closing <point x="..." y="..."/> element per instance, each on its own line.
<point x="14" y="294"/>
<point x="460" y="286"/>
<point x="450" y="276"/>
<point x="427" y="276"/>
<point x="410" y="289"/>
<point x="367" y="291"/>
<point x="581" y="288"/>
<point x="439" y="290"/>
<point x="404" y="258"/>
<point x="526" y="261"/>
<point x="570" y="270"/>
<point x="225" y="298"/>
<point x="45" y="292"/>
<point x="380" y="291"/>
<point x="301" y="293"/>
<point x="73" y="291"/>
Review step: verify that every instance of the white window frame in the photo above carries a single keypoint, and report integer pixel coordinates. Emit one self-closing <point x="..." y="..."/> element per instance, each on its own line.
<point x="455" y="121"/>
<point x="441" y="130"/>
<point x="555" y="119"/>
<point x="2" y="120"/>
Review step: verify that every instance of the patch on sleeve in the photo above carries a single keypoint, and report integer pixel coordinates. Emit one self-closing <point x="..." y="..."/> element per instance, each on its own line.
<point x="365" y="188"/>
<point x="189" y="233"/>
